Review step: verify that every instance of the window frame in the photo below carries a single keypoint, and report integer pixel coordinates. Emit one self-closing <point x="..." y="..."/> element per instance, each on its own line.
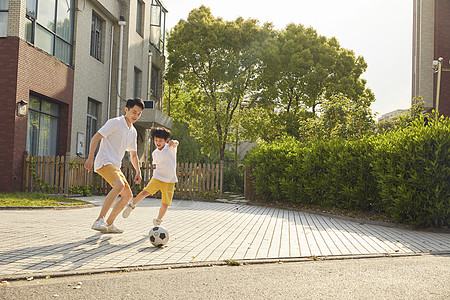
<point x="137" y="83"/>
<point x="7" y="18"/>
<point x="140" y="12"/>
<point x="89" y="120"/>
<point x="42" y="113"/>
<point x="154" y="83"/>
<point x="33" y="18"/>
<point x="161" y="24"/>
<point x="96" y="47"/>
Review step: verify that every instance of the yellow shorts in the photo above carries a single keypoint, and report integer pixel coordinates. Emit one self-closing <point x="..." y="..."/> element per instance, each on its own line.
<point x="167" y="189"/>
<point x="110" y="173"/>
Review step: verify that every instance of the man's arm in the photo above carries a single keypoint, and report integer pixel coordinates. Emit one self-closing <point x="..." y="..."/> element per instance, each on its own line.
<point x="135" y="163"/>
<point x="94" y="142"/>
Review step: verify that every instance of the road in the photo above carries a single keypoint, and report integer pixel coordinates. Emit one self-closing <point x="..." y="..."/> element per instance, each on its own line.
<point x="408" y="277"/>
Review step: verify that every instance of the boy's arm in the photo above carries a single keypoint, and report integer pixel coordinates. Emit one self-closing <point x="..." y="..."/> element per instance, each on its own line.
<point x="135" y="163"/>
<point x="173" y="143"/>
<point x="94" y="142"/>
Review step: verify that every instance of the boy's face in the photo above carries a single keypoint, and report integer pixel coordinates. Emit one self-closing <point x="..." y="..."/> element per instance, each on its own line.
<point x="159" y="142"/>
<point x="133" y="114"/>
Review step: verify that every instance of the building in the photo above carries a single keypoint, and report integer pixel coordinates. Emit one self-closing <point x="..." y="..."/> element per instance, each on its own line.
<point x="431" y="40"/>
<point x="67" y="67"/>
<point x="393" y="114"/>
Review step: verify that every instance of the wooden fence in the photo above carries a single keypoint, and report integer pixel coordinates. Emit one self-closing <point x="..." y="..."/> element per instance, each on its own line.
<point x="67" y="175"/>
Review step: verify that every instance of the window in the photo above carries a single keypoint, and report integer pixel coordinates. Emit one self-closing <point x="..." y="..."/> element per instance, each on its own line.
<point x="154" y="82"/>
<point x="137" y="83"/>
<point x="43" y="127"/>
<point x="139" y="17"/>
<point x="4" y="17"/>
<point x="92" y="121"/>
<point x="157" y="25"/>
<point x="96" y="37"/>
<point x="49" y="26"/>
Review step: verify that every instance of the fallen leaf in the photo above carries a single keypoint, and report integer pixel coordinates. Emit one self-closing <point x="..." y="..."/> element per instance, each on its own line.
<point x="5" y="283"/>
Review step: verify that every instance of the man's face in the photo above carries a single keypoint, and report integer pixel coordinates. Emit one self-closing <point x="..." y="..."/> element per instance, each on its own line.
<point x="159" y="142"/>
<point x="133" y="114"/>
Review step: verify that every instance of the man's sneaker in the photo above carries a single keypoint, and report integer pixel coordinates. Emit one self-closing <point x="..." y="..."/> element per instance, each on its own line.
<point x="128" y="209"/>
<point x="157" y="221"/>
<point x="100" y="225"/>
<point x="113" y="229"/>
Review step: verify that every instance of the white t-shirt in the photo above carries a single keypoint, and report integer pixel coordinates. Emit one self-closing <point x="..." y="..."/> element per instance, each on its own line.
<point x="166" y="164"/>
<point x="117" y="138"/>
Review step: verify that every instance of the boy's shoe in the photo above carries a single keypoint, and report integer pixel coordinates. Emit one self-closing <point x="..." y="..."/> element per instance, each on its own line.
<point x="113" y="229"/>
<point x="128" y="209"/>
<point x="100" y="225"/>
<point x="157" y="221"/>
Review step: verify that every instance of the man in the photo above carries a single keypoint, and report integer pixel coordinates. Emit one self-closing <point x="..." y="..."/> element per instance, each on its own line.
<point x="117" y="136"/>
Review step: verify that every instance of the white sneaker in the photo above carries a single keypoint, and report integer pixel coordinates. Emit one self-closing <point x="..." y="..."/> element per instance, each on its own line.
<point x="100" y="225"/>
<point x="128" y="209"/>
<point x="157" y="221"/>
<point x="113" y="229"/>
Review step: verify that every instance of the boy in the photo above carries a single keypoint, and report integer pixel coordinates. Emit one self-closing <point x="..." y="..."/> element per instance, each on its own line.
<point x="117" y="136"/>
<point x="164" y="176"/>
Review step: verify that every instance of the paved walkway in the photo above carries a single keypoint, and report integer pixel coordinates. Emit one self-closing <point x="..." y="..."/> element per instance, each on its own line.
<point x="40" y="242"/>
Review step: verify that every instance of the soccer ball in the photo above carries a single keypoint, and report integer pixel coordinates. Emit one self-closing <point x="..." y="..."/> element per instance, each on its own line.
<point x="158" y="236"/>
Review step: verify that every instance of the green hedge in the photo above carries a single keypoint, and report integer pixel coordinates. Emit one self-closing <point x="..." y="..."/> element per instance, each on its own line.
<point x="404" y="174"/>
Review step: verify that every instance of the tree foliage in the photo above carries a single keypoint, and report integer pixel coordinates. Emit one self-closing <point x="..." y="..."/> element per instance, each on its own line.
<point x="293" y="81"/>
<point x="301" y="69"/>
<point x="217" y="59"/>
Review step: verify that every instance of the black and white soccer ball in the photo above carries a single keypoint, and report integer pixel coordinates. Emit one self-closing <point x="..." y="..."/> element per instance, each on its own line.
<point x="158" y="236"/>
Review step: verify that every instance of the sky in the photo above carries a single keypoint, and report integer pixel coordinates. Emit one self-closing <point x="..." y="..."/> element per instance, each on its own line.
<point x="378" y="30"/>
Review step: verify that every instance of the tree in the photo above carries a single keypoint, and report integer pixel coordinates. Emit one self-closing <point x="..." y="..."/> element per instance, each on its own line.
<point x="216" y="61"/>
<point x="340" y="117"/>
<point x="302" y="70"/>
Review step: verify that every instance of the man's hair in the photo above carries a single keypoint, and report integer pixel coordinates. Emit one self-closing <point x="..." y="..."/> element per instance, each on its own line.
<point x="135" y="101"/>
<point x="160" y="132"/>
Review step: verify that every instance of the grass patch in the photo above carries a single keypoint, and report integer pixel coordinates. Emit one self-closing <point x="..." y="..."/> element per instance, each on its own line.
<point x="36" y="199"/>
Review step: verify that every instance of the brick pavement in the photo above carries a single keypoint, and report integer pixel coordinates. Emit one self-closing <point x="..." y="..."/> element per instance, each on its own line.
<point x="36" y="242"/>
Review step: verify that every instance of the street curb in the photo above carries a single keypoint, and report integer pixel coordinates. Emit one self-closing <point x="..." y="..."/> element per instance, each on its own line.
<point x="46" y="207"/>
<point x="45" y="275"/>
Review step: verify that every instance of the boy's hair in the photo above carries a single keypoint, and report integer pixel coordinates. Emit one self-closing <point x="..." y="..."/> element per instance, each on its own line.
<point x="135" y="101"/>
<point x="160" y="132"/>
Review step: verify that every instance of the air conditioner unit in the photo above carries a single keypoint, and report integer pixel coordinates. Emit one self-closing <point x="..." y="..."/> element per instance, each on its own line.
<point x="149" y="104"/>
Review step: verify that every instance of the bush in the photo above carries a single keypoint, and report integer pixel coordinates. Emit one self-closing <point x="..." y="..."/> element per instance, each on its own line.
<point x="404" y="173"/>
<point x="233" y="179"/>
<point x="413" y="170"/>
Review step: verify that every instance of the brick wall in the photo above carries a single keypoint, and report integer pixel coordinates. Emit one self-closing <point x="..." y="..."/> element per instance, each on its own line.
<point x="29" y="70"/>
<point x="8" y="82"/>
<point x="442" y="49"/>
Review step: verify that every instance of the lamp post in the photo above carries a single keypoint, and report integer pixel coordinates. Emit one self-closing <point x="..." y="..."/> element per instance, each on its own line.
<point x="437" y="67"/>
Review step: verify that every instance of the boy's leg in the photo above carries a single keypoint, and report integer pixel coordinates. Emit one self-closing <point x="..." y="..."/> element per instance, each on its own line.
<point x="140" y="197"/>
<point x="162" y="210"/>
<point x="167" y="190"/>
<point x="131" y="205"/>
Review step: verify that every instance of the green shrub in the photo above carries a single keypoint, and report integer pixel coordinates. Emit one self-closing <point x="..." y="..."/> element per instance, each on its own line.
<point x="404" y="173"/>
<point x="233" y="179"/>
<point x="413" y="171"/>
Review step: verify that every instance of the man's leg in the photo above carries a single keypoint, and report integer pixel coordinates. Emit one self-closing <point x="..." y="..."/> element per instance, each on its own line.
<point x="118" y="187"/>
<point x="126" y="196"/>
